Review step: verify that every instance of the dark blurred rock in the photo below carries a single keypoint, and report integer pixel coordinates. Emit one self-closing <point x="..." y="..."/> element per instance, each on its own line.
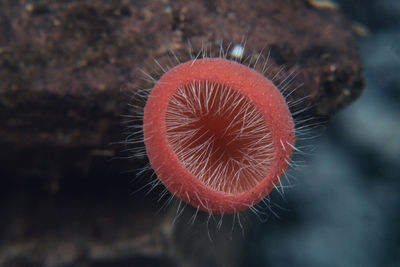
<point x="101" y="224"/>
<point x="62" y="67"/>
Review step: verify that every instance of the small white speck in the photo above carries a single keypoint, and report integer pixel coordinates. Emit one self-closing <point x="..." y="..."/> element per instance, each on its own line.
<point x="29" y="7"/>
<point x="237" y="51"/>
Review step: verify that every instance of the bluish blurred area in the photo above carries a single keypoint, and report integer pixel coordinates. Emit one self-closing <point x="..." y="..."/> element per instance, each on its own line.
<point x="344" y="209"/>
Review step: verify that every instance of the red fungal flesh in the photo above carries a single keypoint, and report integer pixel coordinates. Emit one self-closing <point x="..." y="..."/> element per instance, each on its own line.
<point x="218" y="134"/>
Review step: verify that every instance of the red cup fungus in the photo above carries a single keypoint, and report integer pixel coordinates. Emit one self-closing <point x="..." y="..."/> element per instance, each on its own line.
<point x="218" y="134"/>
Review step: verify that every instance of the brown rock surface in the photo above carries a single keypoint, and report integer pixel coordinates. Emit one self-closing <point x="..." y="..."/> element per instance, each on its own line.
<point x="64" y="68"/>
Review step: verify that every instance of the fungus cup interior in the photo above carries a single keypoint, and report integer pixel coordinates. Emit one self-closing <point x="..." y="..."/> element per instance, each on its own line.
<point x="219" y="136"/>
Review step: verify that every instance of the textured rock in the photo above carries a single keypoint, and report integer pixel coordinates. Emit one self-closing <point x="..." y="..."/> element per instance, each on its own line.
<point x="62" y="65"/>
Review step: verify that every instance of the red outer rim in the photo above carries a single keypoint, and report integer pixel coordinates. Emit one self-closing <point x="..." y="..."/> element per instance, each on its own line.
<point x="259" y="90"/>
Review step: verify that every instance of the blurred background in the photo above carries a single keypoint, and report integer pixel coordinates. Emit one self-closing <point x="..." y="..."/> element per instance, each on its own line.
<point x="344" y="209"/>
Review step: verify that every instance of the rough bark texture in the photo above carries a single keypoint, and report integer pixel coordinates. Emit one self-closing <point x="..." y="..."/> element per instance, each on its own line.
<point x="65" y="68"/>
